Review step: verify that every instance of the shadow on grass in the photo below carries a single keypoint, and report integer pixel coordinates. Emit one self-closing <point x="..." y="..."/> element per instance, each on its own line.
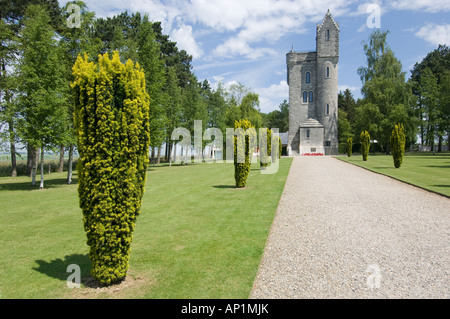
<point x="440" y="185"/>
<point x="224" y="186"/>
<point x="26" y="186"/>
<point x="57" y="268"/>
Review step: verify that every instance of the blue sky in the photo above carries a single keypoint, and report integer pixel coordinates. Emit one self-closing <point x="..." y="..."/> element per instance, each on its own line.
<point x="246" y="41"/>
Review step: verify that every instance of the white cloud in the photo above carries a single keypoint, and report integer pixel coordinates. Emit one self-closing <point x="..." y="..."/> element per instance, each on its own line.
<point x="240" y="47"/>
<point x="251" y="22"/>
<point x="248" y="24"/>
<point x="435" y="34"/>
<point x="185" y="41"/>
<point x="421" y="5"/>
<point x="353" y="89"/>
<point x="271" y="97"/>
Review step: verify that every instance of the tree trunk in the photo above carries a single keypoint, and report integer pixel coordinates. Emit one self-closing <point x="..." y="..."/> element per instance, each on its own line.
<point x="41" y="186"/>
<point x="388" y="150"/>
<point x="69" y="168"/>
<point x="158" y="157"/>
<point x="13" y="150"/>
<point x="30" y="154"/>
<point x="166" y="156"/>
<point x="174" y="152"/>
<point x="35" y="159"/>
<point x="152" y="156"/>
<point x="170" y="154"/>
<point x="61" y="160"/>
<point x="440" y="143"/>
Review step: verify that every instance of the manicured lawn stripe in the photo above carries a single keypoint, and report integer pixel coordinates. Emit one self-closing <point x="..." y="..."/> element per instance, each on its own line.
<point x="196" y="237"/>
<point x="420" y="169"/>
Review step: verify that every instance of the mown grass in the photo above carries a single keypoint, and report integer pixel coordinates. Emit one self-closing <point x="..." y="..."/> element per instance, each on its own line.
<point x="197" y="236"/>
<point x="428" y="171"/>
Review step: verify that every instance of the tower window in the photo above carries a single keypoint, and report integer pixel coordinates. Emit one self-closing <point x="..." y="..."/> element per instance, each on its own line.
<point x="328" y="35"/>
<point x="308" y="133"/>
<point x="305" y="97"/>
<point x="327" y="143"/>
<point x="327" y="110"/>
<point x="311" y="96"/>
<point x="308" y="77"/>
<point x="328" y="72"/>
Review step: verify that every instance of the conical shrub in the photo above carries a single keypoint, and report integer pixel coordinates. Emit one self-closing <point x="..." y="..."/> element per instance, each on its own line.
<point x="349" y="146"/>
<point x="112" y="123"/>
<point x="398" y="141"/>
<point x="365" y="144"/>
<point x="244" y="141"/>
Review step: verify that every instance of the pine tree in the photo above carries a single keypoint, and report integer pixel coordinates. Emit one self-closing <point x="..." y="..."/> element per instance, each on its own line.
<point x="112" y="124"/>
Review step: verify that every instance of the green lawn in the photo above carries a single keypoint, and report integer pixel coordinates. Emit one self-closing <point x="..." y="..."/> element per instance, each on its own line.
<point x="420" y="169"/>
<point x="197" y="236"/>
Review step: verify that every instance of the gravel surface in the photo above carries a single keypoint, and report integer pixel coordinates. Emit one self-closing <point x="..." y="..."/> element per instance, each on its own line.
<point x="341" y="231"/>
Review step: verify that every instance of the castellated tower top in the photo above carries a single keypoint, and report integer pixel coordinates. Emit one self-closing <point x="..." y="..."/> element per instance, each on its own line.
<point x="327" y="37"/>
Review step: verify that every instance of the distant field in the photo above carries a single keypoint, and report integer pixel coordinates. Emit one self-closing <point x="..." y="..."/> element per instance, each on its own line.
<point x="21" y="161"/>
<point x="420" y="169"/>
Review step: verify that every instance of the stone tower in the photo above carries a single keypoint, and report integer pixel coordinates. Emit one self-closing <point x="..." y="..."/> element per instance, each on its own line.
<point x="313" y="93"/>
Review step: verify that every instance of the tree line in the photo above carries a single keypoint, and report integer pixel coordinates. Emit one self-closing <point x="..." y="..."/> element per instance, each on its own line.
<point x="421" y="103"/>
<point x="38" y="49"/>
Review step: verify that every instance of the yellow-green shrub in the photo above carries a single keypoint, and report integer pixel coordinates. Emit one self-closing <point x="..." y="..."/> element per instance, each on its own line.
<point x="349" y="146"/>
<point x="112" y="124"/>
<point x="242" y="145"/>
<point x="280" y="147"/>
<point x="265" y="150"/>
<point x="398" y="141"/>
<point x="365" y="144"/>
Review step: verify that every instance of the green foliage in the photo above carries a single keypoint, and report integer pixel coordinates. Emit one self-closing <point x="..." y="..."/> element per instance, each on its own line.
<point x="111" y="120"/>
<point x="365" y="144"/>
<point x="149" y="52"/>
<point x="349" y="146"/>
<point x="265" y="151"/>
<point x="243" y="148"/>
<point x="278" y="118"/>
<point x="387" y="97"/>
<point x="344" y="127"/>
<point x="40" y="81"/>
<point x="398" y="140"/>
<point x="280" y="147"/>
<point x="243" y="104"/>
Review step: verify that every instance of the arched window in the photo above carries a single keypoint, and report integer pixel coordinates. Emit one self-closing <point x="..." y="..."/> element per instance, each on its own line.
<point x="327" y="110"/>
<point x="311" y="96"/>
<point x="305" y="97"/>
<point x="328" y="35"/>
<point x="328" y="71"/>
<point x="307" y="133"/>
<point x="308" y="77"/>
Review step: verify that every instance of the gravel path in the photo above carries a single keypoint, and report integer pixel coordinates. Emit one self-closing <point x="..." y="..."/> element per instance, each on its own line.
<point x="341" y="231"/>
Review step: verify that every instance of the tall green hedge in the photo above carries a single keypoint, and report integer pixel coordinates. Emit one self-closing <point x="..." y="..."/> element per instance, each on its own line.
<point x="349" y="146"/>
<point x="243" y="141"/>
<point x="365" y="144"/>
<point x="112" y="123"/>
<point x="265" y="150"/>
<point x="280" y="147"/>
<point x="398" y="141"/>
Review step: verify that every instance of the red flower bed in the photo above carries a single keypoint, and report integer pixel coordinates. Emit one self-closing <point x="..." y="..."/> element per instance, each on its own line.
<point x="312" y="154"/>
